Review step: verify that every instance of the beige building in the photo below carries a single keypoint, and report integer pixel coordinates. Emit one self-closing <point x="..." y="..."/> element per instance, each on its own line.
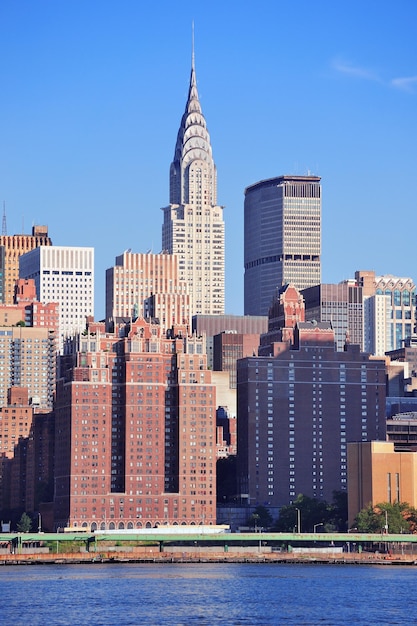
<point x="193" y="225"/>
<point x="11" y="249"/>
<point x="376" y="474"/>
<point x="146" y="285"/>
<point x="11" y="315"/>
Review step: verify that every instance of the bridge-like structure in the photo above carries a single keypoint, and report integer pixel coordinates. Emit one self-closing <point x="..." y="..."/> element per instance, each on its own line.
<point x="93" y="540"/>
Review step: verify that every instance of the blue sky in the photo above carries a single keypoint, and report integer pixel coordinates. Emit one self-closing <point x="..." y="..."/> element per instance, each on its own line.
<point x="92" y="93"/>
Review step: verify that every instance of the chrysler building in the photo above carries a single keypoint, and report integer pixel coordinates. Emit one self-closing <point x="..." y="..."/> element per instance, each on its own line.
<point x="193" y="227"/>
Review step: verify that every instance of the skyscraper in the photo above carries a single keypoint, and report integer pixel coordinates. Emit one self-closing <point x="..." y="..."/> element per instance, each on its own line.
<point x="193" y="226"/>
<point x="65" y="275"/>
<point x="282" y="242"/>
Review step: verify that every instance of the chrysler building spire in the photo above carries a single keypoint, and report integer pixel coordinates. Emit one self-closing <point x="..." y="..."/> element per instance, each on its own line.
<point x="192" y="152"/>
<point x="193" y="227"/>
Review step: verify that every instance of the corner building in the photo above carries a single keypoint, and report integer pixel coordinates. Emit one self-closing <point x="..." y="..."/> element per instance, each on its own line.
<point x="282" y="238"/>
<point x="380" y="473"/>
<point x="12" y="247"/>
<point x="135" y="431"/>
<point x="299" y="404"/>
<point x="193" y="226"/>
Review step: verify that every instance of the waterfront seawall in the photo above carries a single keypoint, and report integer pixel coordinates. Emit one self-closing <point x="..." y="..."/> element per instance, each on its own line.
<point x="201" y="556"/>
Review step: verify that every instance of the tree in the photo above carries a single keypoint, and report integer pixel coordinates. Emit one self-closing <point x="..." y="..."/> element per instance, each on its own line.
<point x="338" y="511"/>
<point x="24" y="525"/>
<point x="310" y="511"/>
<point x="399" y="517"/>
<point x="410" y="516"/>
<point x="368" y="521"/>
<point x="261" y="518"/>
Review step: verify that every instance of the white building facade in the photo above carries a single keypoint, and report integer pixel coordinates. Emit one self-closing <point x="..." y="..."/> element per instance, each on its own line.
<point x="65" y="275"/>
<point x="389" y="313"/>
<point x="377" y="324"/>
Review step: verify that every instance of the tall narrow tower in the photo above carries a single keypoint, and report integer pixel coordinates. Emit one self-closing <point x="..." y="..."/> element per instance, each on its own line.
<point x="193" y="225"/>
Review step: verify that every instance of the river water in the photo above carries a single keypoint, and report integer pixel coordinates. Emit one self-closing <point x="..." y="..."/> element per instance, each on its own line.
<point x="205" y="594"/>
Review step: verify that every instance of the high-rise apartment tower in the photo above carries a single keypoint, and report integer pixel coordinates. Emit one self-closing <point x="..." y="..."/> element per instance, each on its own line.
<point x="282" y="242"/>
<point x="193" y="225"/>
<point x="300" y="402"/>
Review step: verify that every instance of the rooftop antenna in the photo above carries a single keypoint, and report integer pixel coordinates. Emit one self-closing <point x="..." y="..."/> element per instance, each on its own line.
<point x="4" y="223"/>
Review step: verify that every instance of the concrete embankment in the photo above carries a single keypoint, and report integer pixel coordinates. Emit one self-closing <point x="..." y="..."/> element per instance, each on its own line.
<point x="155" y="556"/>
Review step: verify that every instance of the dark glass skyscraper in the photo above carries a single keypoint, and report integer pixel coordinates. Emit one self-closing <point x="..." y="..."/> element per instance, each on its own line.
<point x="282" y="238"/>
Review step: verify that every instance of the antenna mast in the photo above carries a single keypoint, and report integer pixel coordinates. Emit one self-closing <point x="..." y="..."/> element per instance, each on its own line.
<point x="4" y="223"/>
<point x="192" y="54"/>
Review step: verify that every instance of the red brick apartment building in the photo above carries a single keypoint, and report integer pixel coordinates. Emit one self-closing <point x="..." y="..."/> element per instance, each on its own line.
<point x="135" y="430"/>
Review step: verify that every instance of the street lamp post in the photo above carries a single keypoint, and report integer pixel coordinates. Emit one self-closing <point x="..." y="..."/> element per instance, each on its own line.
<point x="298" y="520"/>
<point x="350" y="530"/>
<point x="316" y="525"/>
<point x="39" y="523"/>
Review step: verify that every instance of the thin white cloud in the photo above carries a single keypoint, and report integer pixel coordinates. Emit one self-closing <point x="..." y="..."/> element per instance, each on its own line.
<point x="408" y="83"/>
<point x="345" y="67"/>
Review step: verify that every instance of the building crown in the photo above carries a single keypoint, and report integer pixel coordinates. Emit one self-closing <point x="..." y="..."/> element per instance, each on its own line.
<point x="193" y="163"/>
